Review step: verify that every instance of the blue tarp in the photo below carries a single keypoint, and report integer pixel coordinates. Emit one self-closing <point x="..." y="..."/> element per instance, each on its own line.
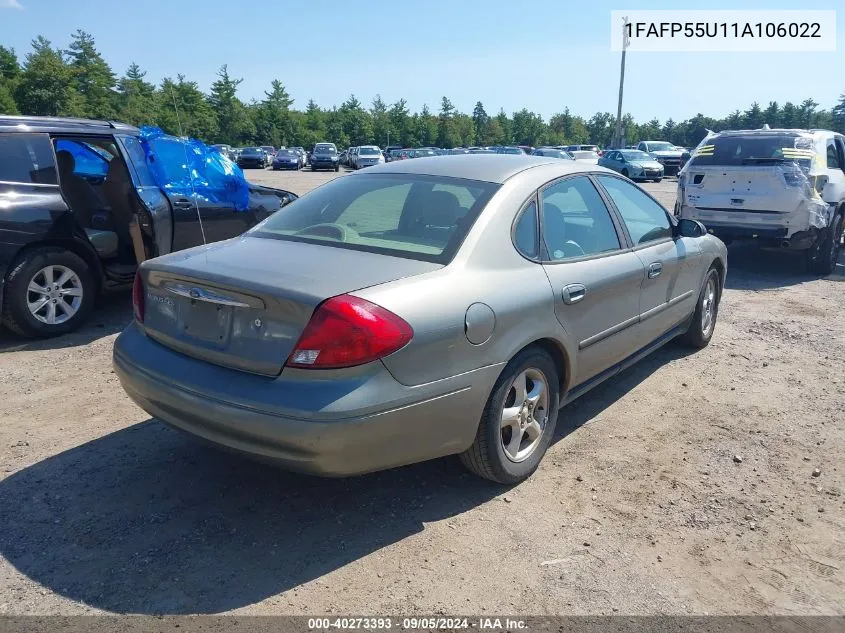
<point x="190" y="168"/>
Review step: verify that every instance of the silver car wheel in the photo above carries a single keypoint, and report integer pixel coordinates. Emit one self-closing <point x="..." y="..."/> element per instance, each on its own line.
<point x="524" y="415"/>
<point x="708" y="306"/>
<point x="54" y="294"/>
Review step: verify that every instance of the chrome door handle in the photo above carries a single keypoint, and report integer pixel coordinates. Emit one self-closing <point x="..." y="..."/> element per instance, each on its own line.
<point x="654" y="270"/>
<point x="573" y="293"/>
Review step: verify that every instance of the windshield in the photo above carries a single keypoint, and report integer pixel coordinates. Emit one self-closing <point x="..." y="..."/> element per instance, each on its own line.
<point x="287" y="152"/>
<point x="425" y="152"/>
<point x="511" y="150"/>
<point x="660" y="147"/>
<point x="325" y="149"/>
<point x="368" y="151"/>
<point x="250" y="150"/>
<point x="755" y="150"/>
<point x="635" y="155"/>
<point x="405" y="215"/>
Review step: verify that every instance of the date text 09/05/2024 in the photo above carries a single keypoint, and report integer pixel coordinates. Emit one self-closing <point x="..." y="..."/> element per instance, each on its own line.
<point x="417" y="623"/>
<point x="723" y="29"/>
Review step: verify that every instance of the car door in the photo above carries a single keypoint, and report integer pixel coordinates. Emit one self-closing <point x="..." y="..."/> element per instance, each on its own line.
<point x="595" y="277"/>
<point x="671" y="263"/>
<point x="834" y="192"/>
<point x="151" y="196"/>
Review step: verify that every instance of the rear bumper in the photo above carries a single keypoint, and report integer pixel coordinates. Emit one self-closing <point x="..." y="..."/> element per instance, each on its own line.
<point x="361" y="423"/>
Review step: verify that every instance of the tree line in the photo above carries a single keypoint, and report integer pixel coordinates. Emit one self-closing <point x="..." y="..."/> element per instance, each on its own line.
<point x="78" y="81"/>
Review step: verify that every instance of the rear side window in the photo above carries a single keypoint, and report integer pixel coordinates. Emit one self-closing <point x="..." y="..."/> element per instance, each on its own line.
<point x="27" y="158"/>
<point x="645" y="219"/>
<point x="406" y="215"/>
<point x="525" y="232"/>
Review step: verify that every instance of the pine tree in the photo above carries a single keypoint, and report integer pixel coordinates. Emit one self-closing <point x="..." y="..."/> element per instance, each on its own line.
<point x="233" y="123"/>
<point x="92" y="76"/>
<point x="136" y="102"/>
<point x="45" y="87"/>
<point x="184" y="110"/>
<point x="480" y="119"/>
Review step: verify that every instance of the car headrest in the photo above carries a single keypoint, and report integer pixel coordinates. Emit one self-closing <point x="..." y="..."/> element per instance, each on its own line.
<point x="444" y="209"/>
<point x="66" y="162"/>
<point x="117" y="172"/>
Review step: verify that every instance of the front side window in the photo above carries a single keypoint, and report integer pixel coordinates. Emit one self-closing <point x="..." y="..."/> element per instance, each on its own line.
<point x="138" y="159"/>
<point x="645" y="219"/>
<point x="576" y="221"/>
<point x="405" y="215"/>
<point x="832" y="156"/>
<point x="27" y="158"/>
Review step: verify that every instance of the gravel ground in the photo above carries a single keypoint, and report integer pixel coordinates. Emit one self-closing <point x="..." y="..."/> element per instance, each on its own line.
<point x="692" y="483"/>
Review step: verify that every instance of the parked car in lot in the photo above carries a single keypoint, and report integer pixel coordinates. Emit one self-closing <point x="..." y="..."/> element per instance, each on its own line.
<point x="226" y="150"/>
<point x="343" y="157"/>
<point x="288" y="159"/>
<point x="585" y="156"/>
<point x="664" y="153"/>
<point x="82" y="201"/>
<point x="582" y="148"/>
<point x="270" y="151"/>
<point x="254" y="157"/>
<point x="367" y="156"/>
<point x="552" y="152"/>
<point x="783" y="188"/>
<point x="323" y="339"/>
<point x="633" y="164"/>
<point x="510" y="149"/>
<point x="304" y="155"/>
<point x="324" y="156"/>
<point x="393" y="154"/>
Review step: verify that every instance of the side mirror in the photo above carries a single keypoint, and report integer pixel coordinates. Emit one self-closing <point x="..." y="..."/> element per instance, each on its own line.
<point x="690" y="228"/>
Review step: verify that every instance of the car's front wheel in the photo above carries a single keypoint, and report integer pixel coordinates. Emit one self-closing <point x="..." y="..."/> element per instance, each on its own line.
<point x="518" y="421"/>
<point x="706" y="310"/>
<point x="658" y="179"/>
<point x="49" y="292"/>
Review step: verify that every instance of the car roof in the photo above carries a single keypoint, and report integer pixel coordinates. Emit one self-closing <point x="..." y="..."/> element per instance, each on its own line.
<point x="496" y="168"/>
<point x="9" y="123"/>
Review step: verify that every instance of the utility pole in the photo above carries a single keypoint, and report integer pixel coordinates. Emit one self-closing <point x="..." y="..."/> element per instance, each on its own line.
<point x="617" y="135"/>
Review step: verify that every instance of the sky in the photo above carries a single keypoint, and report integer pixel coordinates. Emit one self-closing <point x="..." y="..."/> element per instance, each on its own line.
<point x="543" y="55"/>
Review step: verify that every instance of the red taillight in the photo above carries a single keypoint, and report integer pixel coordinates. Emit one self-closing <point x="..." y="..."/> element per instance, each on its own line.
<point x="138" y="297"/>
<point x="346" y="331"/>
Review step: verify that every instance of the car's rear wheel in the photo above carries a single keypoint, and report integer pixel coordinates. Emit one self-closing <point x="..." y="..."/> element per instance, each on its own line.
<point x="706" y="310"/>
<point x="658" y="179"/>
<point x="49" y="291"/>
<point x="822" y="257"/>
<point x="518" y="421"/>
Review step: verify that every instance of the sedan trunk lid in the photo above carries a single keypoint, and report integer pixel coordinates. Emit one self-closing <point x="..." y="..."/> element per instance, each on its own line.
<point x="243" y="303"/>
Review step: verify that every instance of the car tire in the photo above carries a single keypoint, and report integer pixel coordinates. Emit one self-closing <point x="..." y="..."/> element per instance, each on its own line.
<point x="658" y="179"/>
<point x="822" y="257"/>
<point x="624" y="172"/>
<point x="313" y="168"/>
<point x="32" y="268"/>
<point x="706" y="311"/>
<point x="489" y="457"/>
<point x="337" y="167"/>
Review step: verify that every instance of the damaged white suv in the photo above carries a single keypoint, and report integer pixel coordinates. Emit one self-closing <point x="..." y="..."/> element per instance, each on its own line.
<point x="785" y="188"/>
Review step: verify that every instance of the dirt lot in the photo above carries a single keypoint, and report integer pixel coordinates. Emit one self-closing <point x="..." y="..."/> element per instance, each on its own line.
<point x="685" y="485"/>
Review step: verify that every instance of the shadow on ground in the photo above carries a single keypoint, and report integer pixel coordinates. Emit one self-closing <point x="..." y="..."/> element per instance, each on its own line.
<point x="112" y="313"/>
<point x="147" y="520"/>
<point x="751" y="268"/>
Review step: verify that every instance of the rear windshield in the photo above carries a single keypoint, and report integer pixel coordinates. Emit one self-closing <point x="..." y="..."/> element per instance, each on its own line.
<point x="405" y="215"/>
<point x="755" y="150"/>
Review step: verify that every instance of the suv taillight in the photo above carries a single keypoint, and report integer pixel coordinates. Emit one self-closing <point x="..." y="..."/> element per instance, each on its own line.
<point x="346" y="331"/>
<point x="138" y="297"/>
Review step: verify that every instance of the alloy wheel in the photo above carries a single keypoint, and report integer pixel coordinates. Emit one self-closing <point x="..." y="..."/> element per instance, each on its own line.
<point x="54" y="294"/>
<point x="524" y="414"/>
